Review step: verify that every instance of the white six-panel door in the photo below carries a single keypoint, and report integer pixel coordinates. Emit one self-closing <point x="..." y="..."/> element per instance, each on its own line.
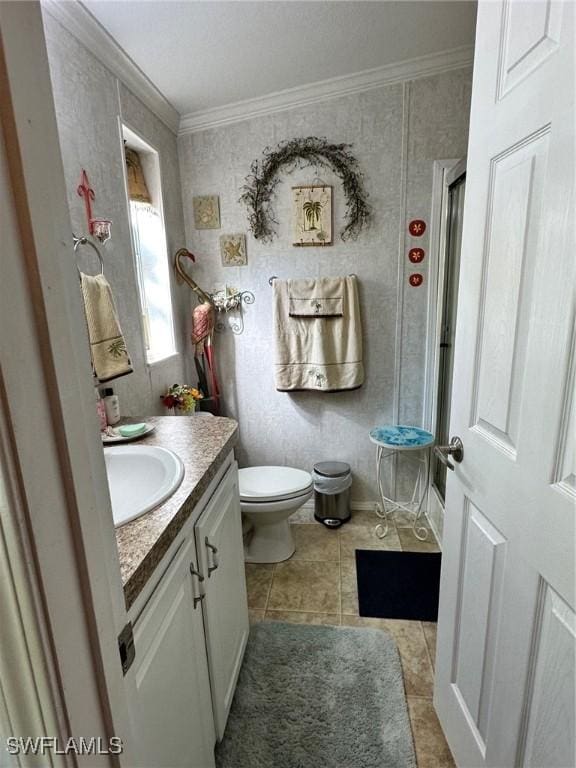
<point x="505" y="686"/>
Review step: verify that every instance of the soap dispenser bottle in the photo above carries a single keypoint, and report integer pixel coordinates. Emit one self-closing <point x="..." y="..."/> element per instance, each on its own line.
<point x="101" y="410"/>
<point x="112" y="405"/>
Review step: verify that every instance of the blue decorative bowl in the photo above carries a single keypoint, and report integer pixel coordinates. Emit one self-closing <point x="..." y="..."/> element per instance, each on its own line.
<point x="401" y="437"/>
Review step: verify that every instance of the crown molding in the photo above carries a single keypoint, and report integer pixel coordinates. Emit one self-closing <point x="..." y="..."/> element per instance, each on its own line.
<point x="323" y="90"/>
<point x="78" y="20"/>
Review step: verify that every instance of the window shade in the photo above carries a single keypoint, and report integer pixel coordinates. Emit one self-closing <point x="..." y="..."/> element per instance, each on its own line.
<point x="137" y="188"/>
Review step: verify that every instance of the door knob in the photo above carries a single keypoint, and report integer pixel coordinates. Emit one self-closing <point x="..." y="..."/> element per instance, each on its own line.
<point x="455" y="448"/>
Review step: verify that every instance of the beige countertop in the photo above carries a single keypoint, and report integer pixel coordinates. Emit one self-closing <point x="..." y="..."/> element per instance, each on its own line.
<point x="202" y="442"/>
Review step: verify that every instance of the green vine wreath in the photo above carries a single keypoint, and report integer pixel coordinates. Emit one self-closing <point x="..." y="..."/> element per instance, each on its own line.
<point x="261" y="183"/>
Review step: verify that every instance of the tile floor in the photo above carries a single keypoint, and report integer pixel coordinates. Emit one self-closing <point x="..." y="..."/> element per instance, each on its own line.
<point x="318" y="586"/>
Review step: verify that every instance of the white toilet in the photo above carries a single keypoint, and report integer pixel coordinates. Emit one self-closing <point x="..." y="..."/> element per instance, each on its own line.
<point x="268" y="496"/>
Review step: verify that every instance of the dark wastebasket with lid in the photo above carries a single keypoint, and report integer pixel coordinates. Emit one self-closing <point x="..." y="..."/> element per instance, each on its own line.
<point x="332" y="481"/>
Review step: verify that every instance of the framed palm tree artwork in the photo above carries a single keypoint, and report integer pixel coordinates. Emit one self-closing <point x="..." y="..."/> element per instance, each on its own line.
<point x="312" y="215"/>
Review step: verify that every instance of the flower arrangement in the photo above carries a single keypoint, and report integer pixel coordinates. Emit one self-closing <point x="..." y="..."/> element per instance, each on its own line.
<point x="181" y="397"/>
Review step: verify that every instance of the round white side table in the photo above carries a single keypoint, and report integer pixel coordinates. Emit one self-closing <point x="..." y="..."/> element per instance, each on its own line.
<point x="391" y="440"/>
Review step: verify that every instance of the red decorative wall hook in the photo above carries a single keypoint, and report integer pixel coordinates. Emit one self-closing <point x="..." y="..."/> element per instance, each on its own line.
<point x="84" y="190"/>
<point x="417" y="227"/>
<point x="416" y="255"/>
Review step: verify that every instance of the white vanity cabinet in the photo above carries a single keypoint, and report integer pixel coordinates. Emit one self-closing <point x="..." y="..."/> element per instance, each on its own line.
<point x="190" y="632"/>
<point x="218" y="534"/>
<point x="171" y="688"/>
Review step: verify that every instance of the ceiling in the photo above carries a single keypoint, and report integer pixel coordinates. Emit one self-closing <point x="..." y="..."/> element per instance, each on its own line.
<point x="208" y="54"/>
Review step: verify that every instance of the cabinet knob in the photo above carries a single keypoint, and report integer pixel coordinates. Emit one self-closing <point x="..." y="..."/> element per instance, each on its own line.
<point x="195" y="572"/>
<point x="214" y="550"/>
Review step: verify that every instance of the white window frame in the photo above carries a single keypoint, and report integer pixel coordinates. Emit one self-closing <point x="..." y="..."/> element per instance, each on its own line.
<point x="142" y="145"/>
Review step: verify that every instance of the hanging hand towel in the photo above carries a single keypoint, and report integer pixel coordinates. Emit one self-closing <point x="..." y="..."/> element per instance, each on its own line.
<point x="107" y="345"/>
<point x="321" y="352"/>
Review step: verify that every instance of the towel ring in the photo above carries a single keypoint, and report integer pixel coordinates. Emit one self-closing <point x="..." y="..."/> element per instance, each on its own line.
<point x="83" y="240"/>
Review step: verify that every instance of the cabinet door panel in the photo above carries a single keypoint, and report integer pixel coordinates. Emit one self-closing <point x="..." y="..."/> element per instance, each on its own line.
<point x="173" y="703"/>
<point x="225" y="607"/>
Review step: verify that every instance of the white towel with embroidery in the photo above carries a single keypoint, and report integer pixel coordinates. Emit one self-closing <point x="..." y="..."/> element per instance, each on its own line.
<point x="110" y="357"/>
<point x="318" y="335"/>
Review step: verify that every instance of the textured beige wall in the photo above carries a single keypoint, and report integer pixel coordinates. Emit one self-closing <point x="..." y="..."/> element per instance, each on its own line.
<point x="397" y="132"/>
<point x="90" y="101"/>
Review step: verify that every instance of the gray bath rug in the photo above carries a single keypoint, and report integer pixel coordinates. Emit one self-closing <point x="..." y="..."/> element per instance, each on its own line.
<point x="318" y="697"/>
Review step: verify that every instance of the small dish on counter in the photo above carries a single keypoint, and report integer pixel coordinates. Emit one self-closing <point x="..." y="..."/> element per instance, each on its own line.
<point x="112" y="435"/>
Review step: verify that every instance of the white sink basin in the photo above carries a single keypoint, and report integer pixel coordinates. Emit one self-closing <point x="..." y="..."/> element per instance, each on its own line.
<point x="140" y="477"/>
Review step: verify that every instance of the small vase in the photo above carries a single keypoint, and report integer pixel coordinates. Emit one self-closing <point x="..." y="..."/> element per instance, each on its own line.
<point x="178" y="412"/>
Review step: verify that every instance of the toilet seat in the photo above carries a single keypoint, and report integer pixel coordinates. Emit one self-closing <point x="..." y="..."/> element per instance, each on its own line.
<point x="269" y="484"/>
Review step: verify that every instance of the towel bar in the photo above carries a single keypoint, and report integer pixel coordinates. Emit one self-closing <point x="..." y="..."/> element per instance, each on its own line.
<point x="275" y="277"/>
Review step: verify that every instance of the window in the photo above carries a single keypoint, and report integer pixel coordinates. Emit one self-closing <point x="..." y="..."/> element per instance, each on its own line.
<point x="149" y="239"/>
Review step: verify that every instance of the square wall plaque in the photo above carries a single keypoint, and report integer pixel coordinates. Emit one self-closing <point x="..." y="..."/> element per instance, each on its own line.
<point x="206" y="212"/>
<point x="233" y="250"/>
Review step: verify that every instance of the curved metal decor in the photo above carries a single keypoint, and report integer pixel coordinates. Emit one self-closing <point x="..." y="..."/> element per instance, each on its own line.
<point x="261" y="182"/>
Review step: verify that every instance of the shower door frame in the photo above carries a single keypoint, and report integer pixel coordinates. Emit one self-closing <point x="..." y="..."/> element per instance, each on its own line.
<point x="445" y="172"/>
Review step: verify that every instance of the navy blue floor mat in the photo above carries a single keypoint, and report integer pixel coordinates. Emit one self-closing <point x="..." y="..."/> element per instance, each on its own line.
<point x="398" y="585"/>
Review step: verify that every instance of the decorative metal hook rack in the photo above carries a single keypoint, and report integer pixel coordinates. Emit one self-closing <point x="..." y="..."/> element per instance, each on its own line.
<point x="220" y="301"/>
<point x="232" y="303"/>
